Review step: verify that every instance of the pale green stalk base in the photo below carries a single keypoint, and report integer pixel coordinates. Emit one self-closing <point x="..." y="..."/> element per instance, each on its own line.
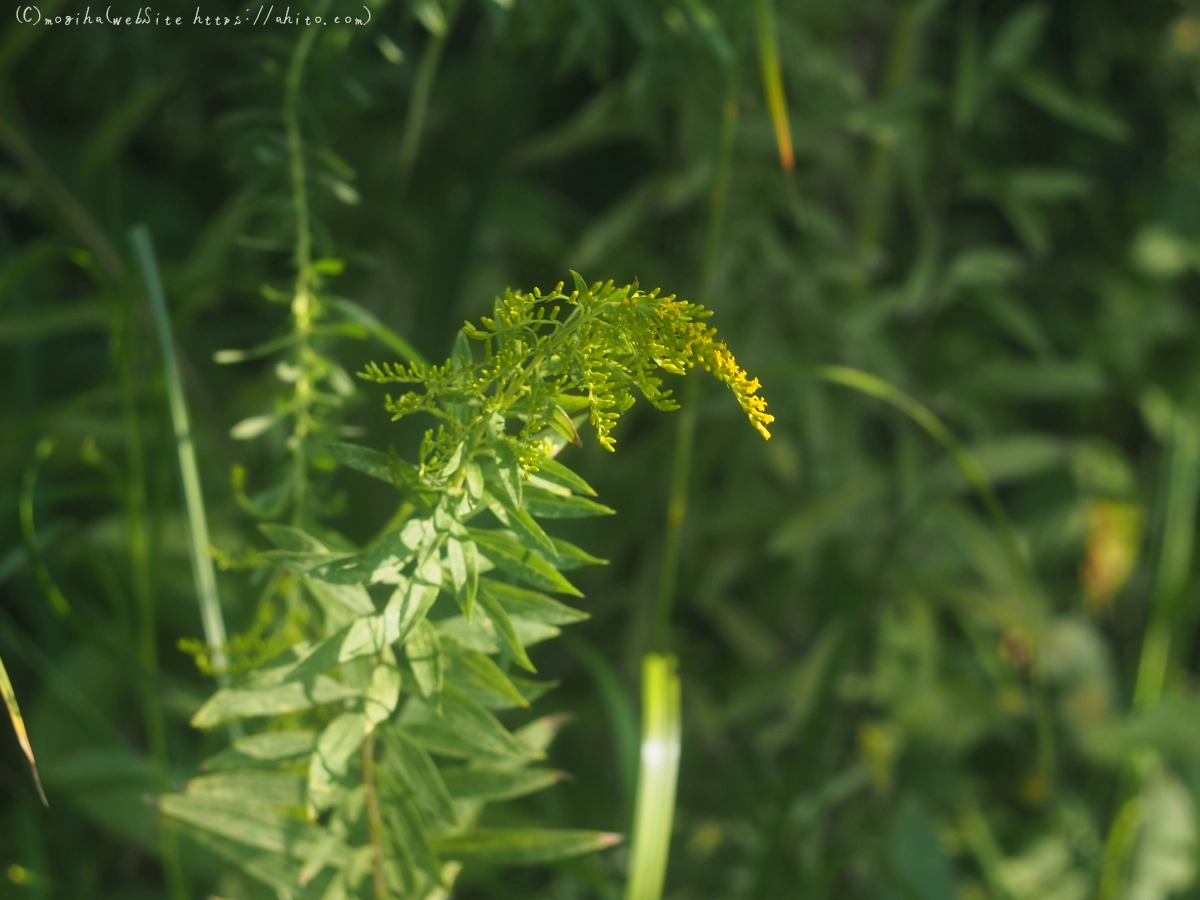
<point x="657" y="778"/>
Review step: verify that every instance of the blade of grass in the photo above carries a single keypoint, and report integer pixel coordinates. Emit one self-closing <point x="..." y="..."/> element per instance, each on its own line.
<point x="414" y="122"/>
<point x="657" y="778"/>
<point x="772" y="76"/>
<point x="203" y="574"/>
<point x="14" y="713"/>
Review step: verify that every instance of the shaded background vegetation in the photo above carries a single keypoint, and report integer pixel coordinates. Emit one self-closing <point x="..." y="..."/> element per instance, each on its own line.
<point x="993" y="208"/>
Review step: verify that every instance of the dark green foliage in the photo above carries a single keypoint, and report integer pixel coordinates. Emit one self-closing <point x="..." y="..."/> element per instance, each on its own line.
<point x="892" y="688"/>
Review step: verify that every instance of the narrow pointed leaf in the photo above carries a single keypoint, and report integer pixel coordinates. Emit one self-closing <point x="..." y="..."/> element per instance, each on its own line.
<point x="18" y="723"/>
<point x="522" y="846"/>
<point x="490" y="783"/>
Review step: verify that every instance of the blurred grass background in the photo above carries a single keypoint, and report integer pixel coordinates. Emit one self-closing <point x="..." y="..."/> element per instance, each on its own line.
<point x="892" y="688"/>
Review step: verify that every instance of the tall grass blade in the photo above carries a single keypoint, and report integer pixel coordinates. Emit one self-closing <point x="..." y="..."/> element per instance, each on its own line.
<point x="414" y="123"/>
<point x="14" y="713"/>
<point x="772" y="75"/>
<point x="657" y="779"/>
<point x="202" y="566"/>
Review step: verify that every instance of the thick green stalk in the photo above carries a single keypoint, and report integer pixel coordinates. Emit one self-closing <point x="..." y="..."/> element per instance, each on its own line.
<point x="143" y="592"/>
<point x="657" y="778"/>
<point x="202" y="566"/>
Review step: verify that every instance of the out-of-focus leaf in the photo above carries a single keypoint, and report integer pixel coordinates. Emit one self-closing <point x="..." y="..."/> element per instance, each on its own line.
<point x="522" y="562"/>
<point x="424" y="653"/>
<point x="478" y="674"/>
<point x="490" y="783"/>
<point x="336" y="746"/>
<point x="917" y="858"/>
<point x="1168" y="845"/>
<point x="546" y="505"/>
<point x="418" y="773"/>
<point x="271" y="747"/>
<point x="229" y="704"/>
<point x="18" y="723"/>
<point x="1044" y="91"/>
<point x="463" y="729"/>
<point x="271" y="788"/>
<point x="1018" y="37"/>
<point x="522" y="846"/>
<point x="527" y="604"/>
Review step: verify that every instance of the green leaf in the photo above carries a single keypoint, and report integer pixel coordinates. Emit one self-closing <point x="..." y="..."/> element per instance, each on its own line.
<point x="409" y="832"/>
<point x="560" y="421"/>
<point x="1044" y="91"/>
<point x="915" y="852"/>
<point x="1168" y="846"/>
<point x="478" y="674"/>
<point x="481" y="634"/>
<point x="555" y="472"/>
<point x="520" y="561"/>
<point x="490" y="783"/>
<point x="380" y="563"/>
<point x="1019" y="36"/>
<point x="464" y="729"/>
<point x="272" y="747"/>
<point x="537" y="736"/>
<point x="248" y="823"/>
<point x="340" y="600"/>
<point x="411" y="765"/>
<point x="580" y="284"/>
<point x="408" y="606"/>
<point x="229" y="704"/>
<point x="522" y="846"/>
<point x="507" y="632"/>
<point x="361" y="459"/>
<point x="271" y="788"/>
<point x="361" y="637"/>
<point x="383" y="693"/>
<point x="285" y="537"/>
<point x="425" y="656"/>
<point x="272" y="869"/>
<point x="336" y="746"/>
<point x="462" y="559"/>
<point x="528" y="604"/>
<point x="18" y="723"/>
<point x="547" y="505"/>
<point x="573" y="557"/>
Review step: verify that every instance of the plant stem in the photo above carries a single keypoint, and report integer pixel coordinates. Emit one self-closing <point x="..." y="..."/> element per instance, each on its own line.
<point x="202" y="566"/>
<point x="374" y="822"/>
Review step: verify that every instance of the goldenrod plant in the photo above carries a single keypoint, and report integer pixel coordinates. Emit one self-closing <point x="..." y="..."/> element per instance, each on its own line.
<point x="423" y="630"/>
